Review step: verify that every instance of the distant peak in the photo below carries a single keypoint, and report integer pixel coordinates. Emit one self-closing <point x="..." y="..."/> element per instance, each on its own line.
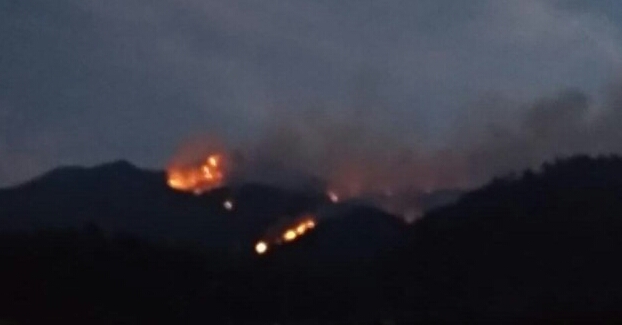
<point x="118" y="164"/>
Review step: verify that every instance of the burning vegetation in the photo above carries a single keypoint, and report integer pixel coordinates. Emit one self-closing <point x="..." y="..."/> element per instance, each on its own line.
<point x="198" y="170"/>
<point x="285" y="233"/>
<point x="198" y="178"/>
<point x="210" y="173"/>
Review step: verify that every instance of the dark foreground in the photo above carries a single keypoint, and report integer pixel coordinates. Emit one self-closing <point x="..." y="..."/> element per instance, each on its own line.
<point x="535" y="247"/>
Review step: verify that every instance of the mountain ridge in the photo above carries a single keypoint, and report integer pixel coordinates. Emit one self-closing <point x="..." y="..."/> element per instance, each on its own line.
<point x="119" y="197"/>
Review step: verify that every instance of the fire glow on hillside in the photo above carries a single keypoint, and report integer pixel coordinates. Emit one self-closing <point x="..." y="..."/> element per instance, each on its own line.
<point x="198" y="170"/>
<point x="288" y="233"/>
<point x="199" y="178"/>
<point x="211" y="172"/>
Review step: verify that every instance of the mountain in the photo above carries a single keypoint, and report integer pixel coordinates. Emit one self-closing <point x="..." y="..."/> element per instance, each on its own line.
<point x="116" y="197"/>
<point x="543" y="245"/>
<point x="538" y="246"/>
<point x="113" y="243"/>
<point x="121" y="198"/>
<point x="411" y="204"/>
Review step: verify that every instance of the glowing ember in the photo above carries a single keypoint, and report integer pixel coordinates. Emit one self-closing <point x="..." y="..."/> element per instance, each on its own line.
<point x="174" y="181"/>
<point x="228" y="205"/>
<point x="199" y="178"/>
<point x="287" y="233"/>
<point x="332" y="196"/>
<point x="213" y="161"/>
<point x="261" y="247"/>
<point x="290" y="235"/>
<point x="301" y="229"/>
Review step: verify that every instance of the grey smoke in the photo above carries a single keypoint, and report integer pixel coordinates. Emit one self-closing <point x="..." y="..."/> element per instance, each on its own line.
<point x="395" y="91"/>
<point x="499" y="136"/>
<point x="552" y="127"/>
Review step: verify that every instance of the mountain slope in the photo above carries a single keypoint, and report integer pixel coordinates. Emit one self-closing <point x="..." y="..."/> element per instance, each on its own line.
<point x="119" y="197"/>
<point x="541" y="246"/>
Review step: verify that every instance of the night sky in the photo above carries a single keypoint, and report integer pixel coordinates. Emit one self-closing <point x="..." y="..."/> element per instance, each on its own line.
<point x="483" y="86"/>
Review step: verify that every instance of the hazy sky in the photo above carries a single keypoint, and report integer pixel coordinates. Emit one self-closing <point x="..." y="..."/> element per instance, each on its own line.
<point x="84" y="81"/>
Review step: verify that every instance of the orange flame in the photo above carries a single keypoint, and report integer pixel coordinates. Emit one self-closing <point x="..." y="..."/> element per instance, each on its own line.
<point x="298" y="229"/>
<point x="199" y="178"/>
<point x="289" y="234"/>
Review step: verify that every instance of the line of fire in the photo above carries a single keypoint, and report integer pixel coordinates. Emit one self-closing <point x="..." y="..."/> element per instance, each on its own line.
<point x="211" y="173"/>
<point x="214" y="170"/>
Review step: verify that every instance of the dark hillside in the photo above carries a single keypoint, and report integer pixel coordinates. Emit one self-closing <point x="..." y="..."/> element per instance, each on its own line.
<point x="543" y="245"/>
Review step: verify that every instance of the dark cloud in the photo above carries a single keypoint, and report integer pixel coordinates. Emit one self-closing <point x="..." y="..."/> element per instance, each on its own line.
<point x="385" y="84"/>
<point x="552" y="127"/>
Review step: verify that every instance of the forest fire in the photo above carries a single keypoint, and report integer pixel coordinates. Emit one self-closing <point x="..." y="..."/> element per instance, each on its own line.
<point x="199" y="178"/>
<point x="298" y="229"/>
<point x="196" y="169"/>
<point x="287" y="234"/>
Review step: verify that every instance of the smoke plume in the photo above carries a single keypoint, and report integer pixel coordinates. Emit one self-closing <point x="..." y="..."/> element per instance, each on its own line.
<point x="356" y="153"/>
